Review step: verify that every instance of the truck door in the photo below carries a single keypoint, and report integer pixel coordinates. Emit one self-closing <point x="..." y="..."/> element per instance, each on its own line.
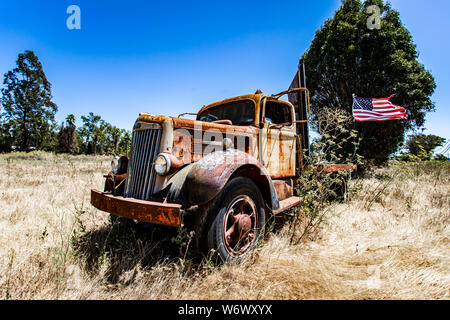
<point x="277" y="143"/>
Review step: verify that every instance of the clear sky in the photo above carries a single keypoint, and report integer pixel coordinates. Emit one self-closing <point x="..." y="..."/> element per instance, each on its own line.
<point x="169" y="57"/>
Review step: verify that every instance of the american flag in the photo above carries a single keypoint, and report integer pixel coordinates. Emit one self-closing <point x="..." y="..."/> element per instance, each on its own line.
<point x="368" y="109"/>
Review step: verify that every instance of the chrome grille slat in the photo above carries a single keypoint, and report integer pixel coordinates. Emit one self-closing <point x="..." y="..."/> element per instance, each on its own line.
<point x="145" y="160"/>
<point x="148" y="166"/>
<point x="140" y="161"/>
<point x="141" y="175"/>
<point x="152" y="171"/>
<point x="137" y="167"/>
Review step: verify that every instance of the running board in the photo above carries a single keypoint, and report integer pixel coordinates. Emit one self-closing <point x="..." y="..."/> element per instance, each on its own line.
<point x="287" y="204"/>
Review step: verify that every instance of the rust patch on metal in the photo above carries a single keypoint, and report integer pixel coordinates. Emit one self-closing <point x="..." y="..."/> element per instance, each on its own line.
<point x="151" y="118"/>
<point x="200" y="143"/>
<point x="330" y="168"/>
<point x="283" y="190"/>
<point x="287" y="204"/>
<point x="182" y="145"/>
<point x="223" y="128"/>
<point x="167" y="214"/>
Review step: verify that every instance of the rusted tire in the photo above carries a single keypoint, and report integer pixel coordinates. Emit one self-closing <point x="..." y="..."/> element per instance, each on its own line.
<point x="238" y="220"/>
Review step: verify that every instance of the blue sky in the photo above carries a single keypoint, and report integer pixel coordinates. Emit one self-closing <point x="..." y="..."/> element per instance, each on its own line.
<point x="172" y="57"/>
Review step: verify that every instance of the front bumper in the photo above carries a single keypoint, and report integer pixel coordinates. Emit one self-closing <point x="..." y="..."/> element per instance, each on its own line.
<point x="168" y="214"/>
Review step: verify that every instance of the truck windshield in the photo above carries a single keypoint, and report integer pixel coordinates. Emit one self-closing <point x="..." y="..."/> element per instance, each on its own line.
<point x="238" y="112"/>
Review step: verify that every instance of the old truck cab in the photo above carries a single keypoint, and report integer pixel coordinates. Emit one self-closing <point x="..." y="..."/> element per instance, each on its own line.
<point x="226" y="171"/>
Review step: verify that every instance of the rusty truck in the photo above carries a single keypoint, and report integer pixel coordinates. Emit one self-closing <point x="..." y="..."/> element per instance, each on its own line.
<point x="226" y="171"/>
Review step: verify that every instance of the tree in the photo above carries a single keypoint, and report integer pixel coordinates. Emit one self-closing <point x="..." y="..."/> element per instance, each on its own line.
<point x="27" y="103"/>
<point x="113" y="135"/>
<point x="97" y="135"/>
<point x="92" y="132"/>
<point x="422" y="145"/>
<point x="68" y="137"/>
<point x="346" y="57"/>
<point x="5" y="136"/>
<point x="124" y="144"/>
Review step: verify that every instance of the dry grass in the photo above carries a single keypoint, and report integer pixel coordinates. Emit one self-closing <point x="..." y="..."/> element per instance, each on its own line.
<point x="390" y="241"/>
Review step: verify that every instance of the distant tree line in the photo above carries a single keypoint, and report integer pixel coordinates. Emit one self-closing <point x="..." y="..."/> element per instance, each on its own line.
<point x="421" y="147"/>
<point x="95" y="136"/>
<point x="27" y="118"/>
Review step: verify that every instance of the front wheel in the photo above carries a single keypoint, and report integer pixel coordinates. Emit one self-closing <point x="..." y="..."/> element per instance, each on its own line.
<point x="238" y="219"/>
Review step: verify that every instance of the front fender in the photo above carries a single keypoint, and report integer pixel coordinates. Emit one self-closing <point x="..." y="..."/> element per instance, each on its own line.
<point x="207" y="177"/>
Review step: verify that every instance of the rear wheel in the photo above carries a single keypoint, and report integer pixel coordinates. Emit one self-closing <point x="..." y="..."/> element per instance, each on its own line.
<point x="237" y="219"/>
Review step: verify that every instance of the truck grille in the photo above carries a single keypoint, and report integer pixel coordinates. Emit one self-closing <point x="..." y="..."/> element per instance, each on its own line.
<point x="141" y="175"/>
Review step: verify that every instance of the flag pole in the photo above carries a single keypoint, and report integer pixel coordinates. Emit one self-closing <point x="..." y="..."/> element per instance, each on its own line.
<point x="354" y="125"/>
<point x="353" y="115"/>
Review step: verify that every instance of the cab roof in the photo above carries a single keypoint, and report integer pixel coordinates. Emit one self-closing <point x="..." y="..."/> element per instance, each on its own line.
<point x="255" y="97"/>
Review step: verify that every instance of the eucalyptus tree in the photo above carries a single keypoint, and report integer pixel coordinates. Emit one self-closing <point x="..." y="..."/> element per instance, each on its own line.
<point x="28" y="110"/>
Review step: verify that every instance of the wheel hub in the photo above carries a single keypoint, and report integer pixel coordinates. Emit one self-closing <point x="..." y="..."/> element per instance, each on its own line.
<point x="240" y="225"/>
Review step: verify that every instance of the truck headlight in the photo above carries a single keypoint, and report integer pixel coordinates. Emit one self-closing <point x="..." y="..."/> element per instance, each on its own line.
<point x="162" y="164"/>
<point x="115" y="165"/>
<point x="119" y="164"/>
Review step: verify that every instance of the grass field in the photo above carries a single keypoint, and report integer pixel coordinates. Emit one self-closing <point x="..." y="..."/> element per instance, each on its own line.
<point x="389" y="241"/>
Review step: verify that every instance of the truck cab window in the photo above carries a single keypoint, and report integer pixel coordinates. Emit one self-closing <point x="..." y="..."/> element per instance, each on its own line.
<point x="240" y="113"/>
<point x="277" y="113"/>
